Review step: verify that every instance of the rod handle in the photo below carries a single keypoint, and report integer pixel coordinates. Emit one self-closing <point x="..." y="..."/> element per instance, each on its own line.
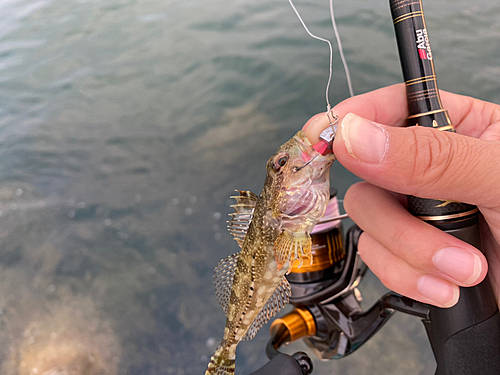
<point x="283" y="364"/>
<point x="474" y="350"/>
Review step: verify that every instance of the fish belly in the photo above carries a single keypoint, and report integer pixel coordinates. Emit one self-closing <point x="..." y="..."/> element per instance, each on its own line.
<point x="255" y="281"/>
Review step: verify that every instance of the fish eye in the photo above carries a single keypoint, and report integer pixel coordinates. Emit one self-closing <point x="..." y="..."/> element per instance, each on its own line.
<point x="280" y="162"/>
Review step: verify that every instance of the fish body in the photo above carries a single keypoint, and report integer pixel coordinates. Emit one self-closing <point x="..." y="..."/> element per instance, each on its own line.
<point x="272" y="230"/>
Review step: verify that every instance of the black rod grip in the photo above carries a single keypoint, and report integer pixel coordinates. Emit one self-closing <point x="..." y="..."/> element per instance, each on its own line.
<point x="479" y="342"/>
<point x="282" y="364"/>
<point x="470" y="330"/>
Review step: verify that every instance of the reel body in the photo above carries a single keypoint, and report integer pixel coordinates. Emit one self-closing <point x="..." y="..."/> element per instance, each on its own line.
<point x="327" y="313"/>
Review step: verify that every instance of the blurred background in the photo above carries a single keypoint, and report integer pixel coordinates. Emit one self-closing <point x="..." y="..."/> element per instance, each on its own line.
<point x="125" y="125"/>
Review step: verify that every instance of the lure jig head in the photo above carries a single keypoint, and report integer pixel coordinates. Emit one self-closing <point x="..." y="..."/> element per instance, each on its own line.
<point x="325" y="145"/>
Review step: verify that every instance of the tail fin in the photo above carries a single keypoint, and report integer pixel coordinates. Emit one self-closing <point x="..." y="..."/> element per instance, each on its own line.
<point x="220" y="365"/>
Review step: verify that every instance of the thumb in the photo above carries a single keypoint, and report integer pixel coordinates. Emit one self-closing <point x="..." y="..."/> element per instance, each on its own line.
<point x="421" y="161"/>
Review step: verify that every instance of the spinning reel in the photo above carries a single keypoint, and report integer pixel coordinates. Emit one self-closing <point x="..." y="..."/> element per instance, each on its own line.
<point x="327" y="313"/>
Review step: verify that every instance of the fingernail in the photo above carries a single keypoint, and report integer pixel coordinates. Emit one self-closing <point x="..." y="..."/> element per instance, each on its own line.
<point x="442" y="292"/>
<point x="364" y="139"/>
<point x="460" y="264"/>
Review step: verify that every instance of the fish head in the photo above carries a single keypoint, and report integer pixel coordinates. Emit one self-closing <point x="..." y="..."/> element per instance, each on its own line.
<point x="298" y="183"/>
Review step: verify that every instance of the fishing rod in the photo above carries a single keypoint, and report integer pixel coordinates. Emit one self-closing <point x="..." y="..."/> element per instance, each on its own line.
<point x="465" y="338"/>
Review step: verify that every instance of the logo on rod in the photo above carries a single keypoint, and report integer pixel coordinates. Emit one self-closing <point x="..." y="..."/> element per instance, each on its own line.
<point x="424" y="48"/>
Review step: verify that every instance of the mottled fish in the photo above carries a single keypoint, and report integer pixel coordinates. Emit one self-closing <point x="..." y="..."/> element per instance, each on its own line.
<point x="272" y="230"/>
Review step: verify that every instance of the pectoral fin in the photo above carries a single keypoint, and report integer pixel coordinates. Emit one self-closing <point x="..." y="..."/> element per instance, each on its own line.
<point x="290" y="246"/>
<point x="223" y="279"/>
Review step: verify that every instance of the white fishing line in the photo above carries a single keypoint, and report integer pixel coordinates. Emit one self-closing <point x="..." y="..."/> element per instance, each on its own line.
<point x="344" y="62"/>
<point x="337" y="36"/>
<point x="328" y="107"/>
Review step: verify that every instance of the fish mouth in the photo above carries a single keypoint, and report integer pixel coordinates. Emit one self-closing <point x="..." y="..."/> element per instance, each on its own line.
<point x="310" y="157"/>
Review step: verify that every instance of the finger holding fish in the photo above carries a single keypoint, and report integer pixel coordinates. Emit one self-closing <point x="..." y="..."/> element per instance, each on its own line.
<point x="420" y="261"/>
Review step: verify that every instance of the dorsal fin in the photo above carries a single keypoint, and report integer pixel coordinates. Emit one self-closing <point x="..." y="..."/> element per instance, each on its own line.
<point x="274" y="304"/>
<point x="242" y="217"/>
<point x="223" y="279"/>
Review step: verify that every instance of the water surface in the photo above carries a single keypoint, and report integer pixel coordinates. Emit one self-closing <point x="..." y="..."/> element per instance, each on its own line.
<point x="124" y="127"/>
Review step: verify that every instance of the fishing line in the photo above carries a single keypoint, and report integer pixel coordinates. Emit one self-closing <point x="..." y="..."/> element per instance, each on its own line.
<point x="328" y="107"/>
<point x="337" y="36"/>
<point x="341" y="51"/>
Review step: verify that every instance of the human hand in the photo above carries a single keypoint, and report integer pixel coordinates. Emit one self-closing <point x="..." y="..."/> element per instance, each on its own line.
<point x="409" y="256"/>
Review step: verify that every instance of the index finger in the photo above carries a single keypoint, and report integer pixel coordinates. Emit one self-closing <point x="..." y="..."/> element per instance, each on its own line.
<point x="387" y="106"/>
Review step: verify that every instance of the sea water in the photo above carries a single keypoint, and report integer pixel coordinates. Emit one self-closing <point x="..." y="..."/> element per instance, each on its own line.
<point x="125" y="125"/>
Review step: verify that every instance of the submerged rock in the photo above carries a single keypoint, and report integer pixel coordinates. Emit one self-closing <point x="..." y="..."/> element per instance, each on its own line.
<point x="67" y="337"/>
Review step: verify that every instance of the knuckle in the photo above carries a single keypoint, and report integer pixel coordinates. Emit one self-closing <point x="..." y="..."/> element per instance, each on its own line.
<point x="433" y="155"/>
<point x="363" y="247"/>
<point x="387" y="280"/>
<point x="350" y="197"/>
<point x="394" y="281"/>
<point x="353" y="196"/>
<point x="405" y="245"/>
<point x="401" y="236"/>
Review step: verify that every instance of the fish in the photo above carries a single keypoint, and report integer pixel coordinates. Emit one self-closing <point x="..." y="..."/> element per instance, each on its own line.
<point x="273" y="230"/>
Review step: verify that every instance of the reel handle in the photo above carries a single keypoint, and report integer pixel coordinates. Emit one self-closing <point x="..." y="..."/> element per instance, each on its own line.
<point x="466" y="337"/>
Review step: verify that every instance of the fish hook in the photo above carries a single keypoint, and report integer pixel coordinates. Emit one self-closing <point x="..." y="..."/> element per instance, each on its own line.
<point x="326" y="137"/>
